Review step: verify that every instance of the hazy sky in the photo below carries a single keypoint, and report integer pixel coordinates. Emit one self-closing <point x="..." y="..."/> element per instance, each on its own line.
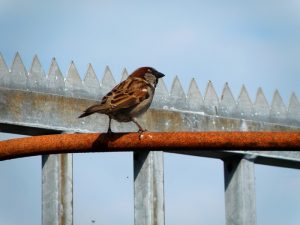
<point x="256" y="43"/>
<point x="251" y="42"/>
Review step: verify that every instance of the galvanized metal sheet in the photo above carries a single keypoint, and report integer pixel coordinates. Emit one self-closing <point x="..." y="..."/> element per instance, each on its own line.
<point x="240" y="200"/>
<point x="57" y="189"/>
<point x="90" y="88"/>
<point x="149" y="207"/>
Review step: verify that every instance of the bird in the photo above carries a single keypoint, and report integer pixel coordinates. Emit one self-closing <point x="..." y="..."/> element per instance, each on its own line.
<point x="129" y="99"/>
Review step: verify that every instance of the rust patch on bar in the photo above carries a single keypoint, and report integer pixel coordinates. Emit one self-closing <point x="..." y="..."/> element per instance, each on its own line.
<point x="150" y="141"/>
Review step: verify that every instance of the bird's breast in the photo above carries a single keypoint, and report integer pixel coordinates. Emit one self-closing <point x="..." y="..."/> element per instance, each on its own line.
<point x="142" y="107"/>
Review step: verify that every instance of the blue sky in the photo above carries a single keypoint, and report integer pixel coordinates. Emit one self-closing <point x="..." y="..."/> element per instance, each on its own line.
<point x="251" y="42"/>
<point x="256" y="43"/>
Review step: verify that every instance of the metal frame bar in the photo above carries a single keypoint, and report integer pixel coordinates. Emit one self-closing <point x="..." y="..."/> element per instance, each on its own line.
<point x="57" y="189"/>
<point x="240" y="202"/>
<point x="151" y="141"/>
<point x="149" y="206"/>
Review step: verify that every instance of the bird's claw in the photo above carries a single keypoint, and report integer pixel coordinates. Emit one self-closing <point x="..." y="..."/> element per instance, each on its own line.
<point x="141" y="131"/>
<point x="109" y="131"/>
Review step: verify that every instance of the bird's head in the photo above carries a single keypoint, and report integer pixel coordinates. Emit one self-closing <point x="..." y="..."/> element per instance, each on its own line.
<point x="150" y="74"/>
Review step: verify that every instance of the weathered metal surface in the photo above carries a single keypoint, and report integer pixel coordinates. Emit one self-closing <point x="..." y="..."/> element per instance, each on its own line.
<point x="261" y="106"/>
<point x="288" y="159"/>
<point x="240" y="198"/>
<point x="33" y="109"/>
<point x="227" y="104"/>
<point x="36" y="77"/>
<point x="72" y="86"/>
<point x="3" y="71"/>
<point x="18" y="74"/>
<point x="177" y="95"/>
<point x="293" y="113"/>
<point x="194" y="97"/>
<point x="124" y="74"/>
<point x="55" y="79"/>
<point x="244" y="105"/>
<point x="278" y="110"/>
<point x="108" y="81"/>
<point x="153" y="141"/>
<point x="57" y="189"/>
<point x="211" y="100"/>
<point x="73" y="83"/>
<point x="161" y="98"/>
<point x="91" y="84"/>
<point x="149" y="188"/>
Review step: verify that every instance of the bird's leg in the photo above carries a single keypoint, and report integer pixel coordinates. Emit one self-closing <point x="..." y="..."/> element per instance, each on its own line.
<point x="141" y="130"/>
<point x="109" y="129"/>
<point x="138" y="125"/>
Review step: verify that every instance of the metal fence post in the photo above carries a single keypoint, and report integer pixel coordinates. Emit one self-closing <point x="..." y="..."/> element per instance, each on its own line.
<point x="240" y="202"/>
<point x="149" y="188"/>
<point x="57" y="189"/>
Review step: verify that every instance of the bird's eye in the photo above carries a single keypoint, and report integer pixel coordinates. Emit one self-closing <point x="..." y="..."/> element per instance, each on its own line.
<point x="149" y="71"/>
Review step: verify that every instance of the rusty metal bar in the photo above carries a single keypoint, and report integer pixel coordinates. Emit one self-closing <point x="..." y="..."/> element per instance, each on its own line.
<point x="158" y="141"/>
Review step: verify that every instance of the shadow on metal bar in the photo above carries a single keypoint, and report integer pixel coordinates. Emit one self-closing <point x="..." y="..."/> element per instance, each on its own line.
<point x="25" y="130"/>
<point x="180" y="142"/>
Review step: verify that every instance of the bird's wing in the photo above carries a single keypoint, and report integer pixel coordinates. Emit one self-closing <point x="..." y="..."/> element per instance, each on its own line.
<point x="126" y="95"/>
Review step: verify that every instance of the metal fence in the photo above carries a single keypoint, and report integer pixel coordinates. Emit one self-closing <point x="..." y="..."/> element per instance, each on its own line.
<point x="36" y="103"/>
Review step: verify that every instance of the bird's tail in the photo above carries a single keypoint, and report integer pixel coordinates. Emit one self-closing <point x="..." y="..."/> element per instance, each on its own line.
<point x="93" y="109"/>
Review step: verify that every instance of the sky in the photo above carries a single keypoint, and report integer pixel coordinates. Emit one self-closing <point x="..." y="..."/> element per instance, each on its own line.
<point x="256" y="43"/>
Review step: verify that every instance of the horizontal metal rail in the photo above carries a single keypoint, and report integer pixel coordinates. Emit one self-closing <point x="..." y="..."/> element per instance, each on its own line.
<point x="151" y="141"/>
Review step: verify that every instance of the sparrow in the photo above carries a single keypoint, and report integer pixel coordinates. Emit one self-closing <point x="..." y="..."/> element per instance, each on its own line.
<point x="129" y="99"/>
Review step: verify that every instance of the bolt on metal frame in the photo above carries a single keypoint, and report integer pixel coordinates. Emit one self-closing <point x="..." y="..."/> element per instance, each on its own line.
<point x="35" y="103"/>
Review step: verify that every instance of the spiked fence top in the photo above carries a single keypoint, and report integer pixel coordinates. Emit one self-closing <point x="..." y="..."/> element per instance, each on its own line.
<point x="90" y="87"/>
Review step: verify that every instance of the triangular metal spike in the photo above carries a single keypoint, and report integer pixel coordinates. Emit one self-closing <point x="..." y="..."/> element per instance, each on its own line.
<point x="3" y="66"/>
<point x="18" y="65"/>
<point x="161" y="88"/>
<point x="36" y="76"/>
<point x="244" y="104"/>
<point x="194" y="97"/>
<point x="227" y="104"/>
<point x="161" y="96"/>
<point x="73" y="82"/>
<point x="177" y="90"/>
<point x="55" y="79"/>
<point x="108" y="81"/>
<point x="73" y="73"/>
<point x="294" y="103"/>
<point x="261" y="100"/>
<point x="294" y="109"/>
<point x="278" y="110"/>
<point x="177" y="95"/>
<point x="211" y="100"/>
<point x="90" y="76"/>
<point x="261" y="106"/>
<point x="36" y="66"/>
<point x="18" y="76"/>
<point x="124" y="74"/>
<point x="4" y="73"/>
<point x="91" y="83"/>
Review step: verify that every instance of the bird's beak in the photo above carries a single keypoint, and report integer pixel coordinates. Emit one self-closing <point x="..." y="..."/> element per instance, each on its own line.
<point x="159" y="75"/>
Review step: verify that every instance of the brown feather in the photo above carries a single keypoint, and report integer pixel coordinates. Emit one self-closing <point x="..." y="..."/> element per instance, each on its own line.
<point x="125" y="95"/>
<point x="93" y="109"/>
